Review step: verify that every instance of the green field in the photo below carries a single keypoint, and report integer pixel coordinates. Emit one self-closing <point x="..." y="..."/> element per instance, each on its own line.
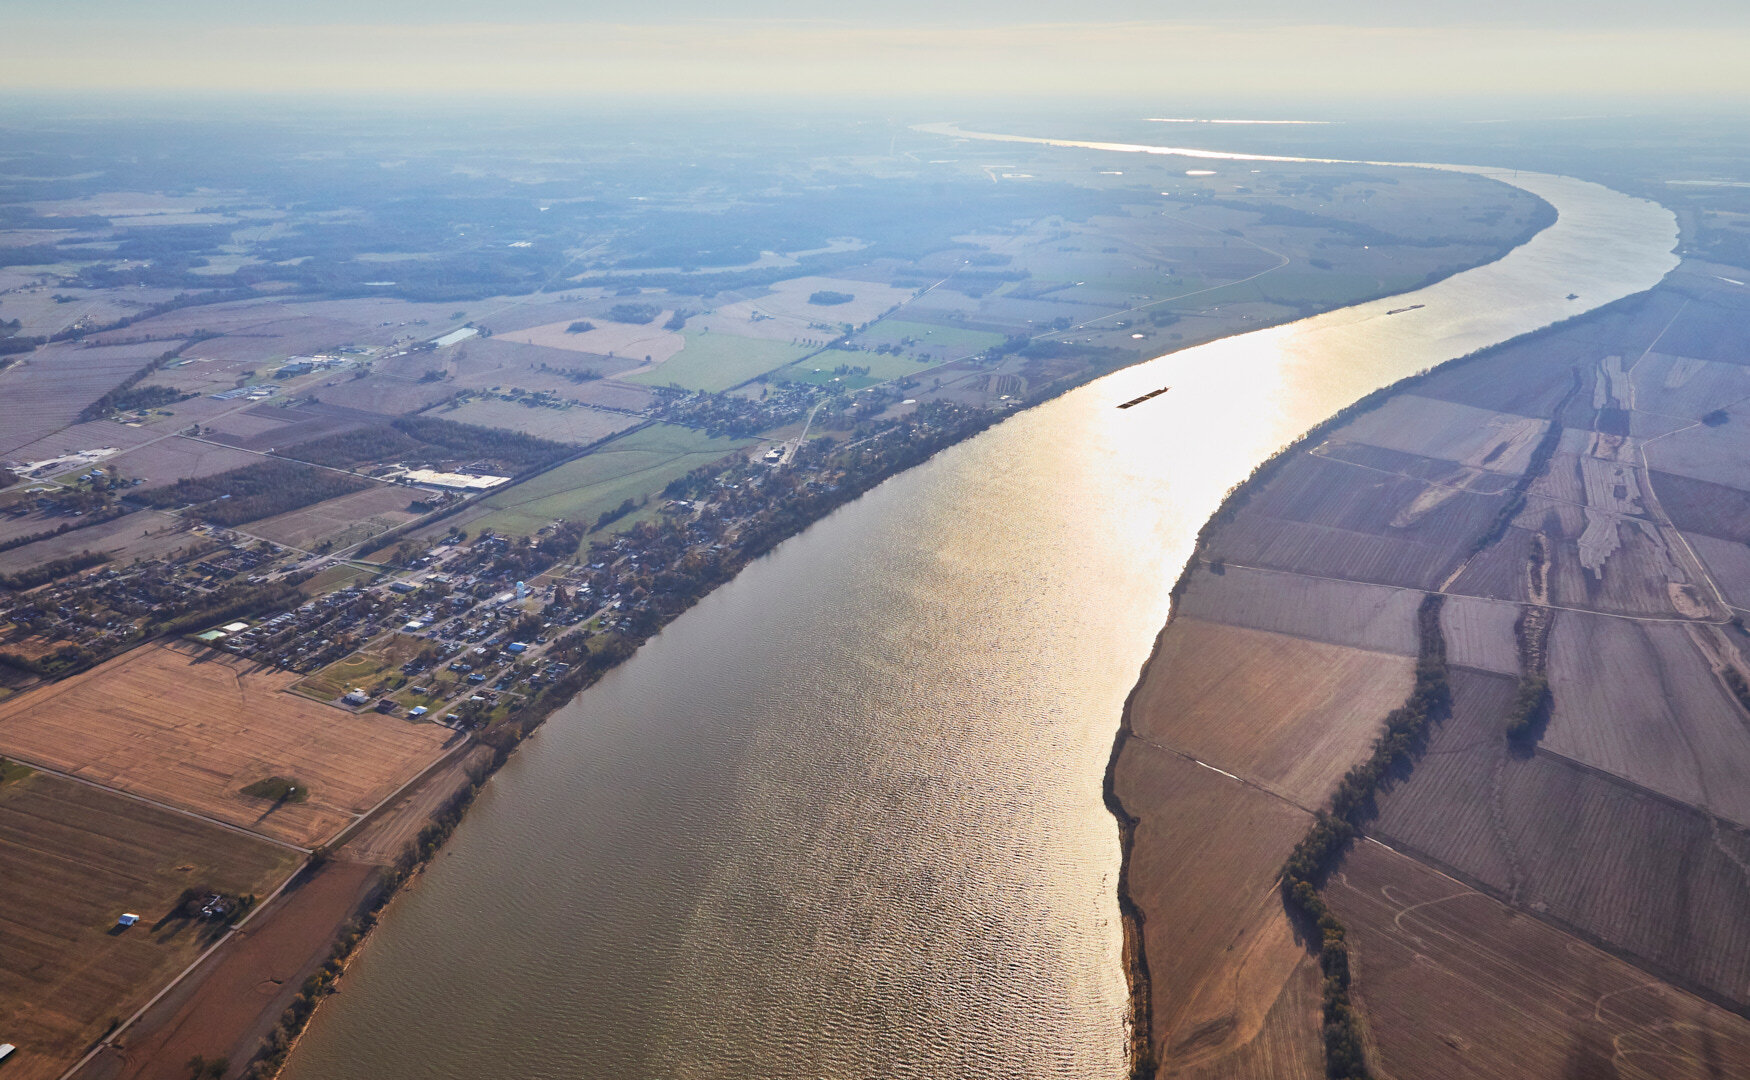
<point x="334" y="577"/>
<point x="719" y="361"/>
<point x="952" y="339"/>
<point x="882" y="367"/>
<point x="632" y="467"/>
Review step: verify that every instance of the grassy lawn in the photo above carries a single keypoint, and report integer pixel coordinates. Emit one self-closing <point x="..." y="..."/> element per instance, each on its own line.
<point x="363" y="669"/>
<point x="952" y="339"/>
<point x="719" y="361"/>
<point x="640" y="464"/>
<point x="335" y="577"/>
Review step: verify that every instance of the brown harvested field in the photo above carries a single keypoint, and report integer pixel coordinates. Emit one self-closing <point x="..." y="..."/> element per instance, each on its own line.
<point x="1479" y="438"/>
<point x="1454" y="985"/>
<point x="1288" y="714"/>
<point x="613" y="394"/>
<point x="1642" y="874"/>
<point x="608" y="338"/>
<point x="1525" y="379"/>
<point x="76" y="858"/>
<point x="1335" y="612"/>
<point x="179" y="458"/>
<point x="1287" y="1046"/>
<point x="94" y="435"/>
<point x="1433" y="470"/>
<point x="346" y="520"/>
<point x="388" y="834"/>
<point x="1331" y="519"/>
<point x="1698" y="506"/>
<point x="1728" y="565"/>
<point x="276" y="426"/>
<point x="482" y="363"/>
<point x="233" y="1001"/>
<point x="1501" y="571"/>
<point x="1710" y="331"/>
<point x="46" y="391"/>
<point x="1714" y="455"/>
<point x="143" y="534"/>
<point x="577" y="425"/>
<point x="1686" y="387"/>
<point x="383" y="394"/>
<point x="1479" y="633"/>
<point x="1203" y="869"/>
<point x="1640" y="701"/>
<point x="190" y="727"/>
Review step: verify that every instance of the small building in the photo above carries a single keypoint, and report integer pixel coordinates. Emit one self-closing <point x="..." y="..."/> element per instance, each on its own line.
<point x="516" y="647"/>
<point x="6" y="1050"/>
<point x="356" y="697"/>
<point x="402" y="586"/>
<point x="233" y="628"/>
<point x="387" y="705"/>
<point x="417" y="711"/>
<point x="127" y="919"/>
<point x="210" y="636"/>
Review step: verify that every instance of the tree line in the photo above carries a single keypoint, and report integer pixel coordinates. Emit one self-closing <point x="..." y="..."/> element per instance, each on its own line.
<point x="1406" y="731"/>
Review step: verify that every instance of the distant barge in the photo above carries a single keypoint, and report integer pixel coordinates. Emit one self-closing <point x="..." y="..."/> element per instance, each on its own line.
<point x="1145" y="397"/>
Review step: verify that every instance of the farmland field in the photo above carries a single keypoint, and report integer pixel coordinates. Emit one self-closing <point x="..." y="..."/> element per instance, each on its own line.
<point x="882" y="367"/>
<point x="719" y="361"/>
<point x="789" y="313"/>
<point x="1204" y="865"/>
<point x="940" y="341"/>
<point x="47" y="391"/>
<point x="1479" y="633"/>
<point x="124" y="537"/>
<point x="92" y="435"/>
<point x="1288" y="714"/>
<point x="1456" y="986"/>
<point x="1651" y="878"/>
<point x="346" y="520"/>
<point x="63" y="974"/>
<point x="384" y="394"/>
<point x="1330" y="518"/>
<point x="177" y="458"/>
<point x="634" y="466"/>
<point x="1699" y="506"/>
<point x="608" y="338"/>
<point x="190" y="728"/>
<point x="1500" y="442"/>
<point x="1638" y="700"/>
<point x="578" y="426"/>
<point x="1321" y="609"/>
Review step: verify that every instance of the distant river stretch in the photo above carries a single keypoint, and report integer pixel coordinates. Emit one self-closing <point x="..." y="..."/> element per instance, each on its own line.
<point x="843" y="818"/>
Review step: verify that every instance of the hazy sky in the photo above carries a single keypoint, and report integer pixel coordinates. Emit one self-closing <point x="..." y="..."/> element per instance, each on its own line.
<point x="1267" y="49"/>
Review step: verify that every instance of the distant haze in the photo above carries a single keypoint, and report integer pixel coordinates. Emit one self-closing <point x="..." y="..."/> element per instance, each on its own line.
<point x="1354" y="49"/>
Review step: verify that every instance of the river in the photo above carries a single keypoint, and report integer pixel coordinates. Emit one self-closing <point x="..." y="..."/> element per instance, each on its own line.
<point x="843" y="819"/>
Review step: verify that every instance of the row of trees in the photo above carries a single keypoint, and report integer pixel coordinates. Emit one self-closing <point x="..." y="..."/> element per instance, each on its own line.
<point x="1406" y="729"/>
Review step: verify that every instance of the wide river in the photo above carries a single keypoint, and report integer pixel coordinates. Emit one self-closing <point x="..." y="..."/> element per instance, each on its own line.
<point x="843" y="819"/>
